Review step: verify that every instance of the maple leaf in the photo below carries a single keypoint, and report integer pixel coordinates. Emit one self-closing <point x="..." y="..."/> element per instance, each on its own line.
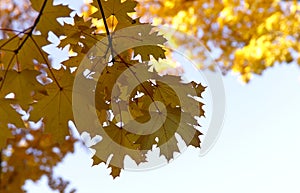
<point x="176" y="121"/>
<point x="48" y="14"/>
<point x="147" y="39"/>
<point x="7" y="115"/>
<point x="116" y="141"/>
<point x="115" y="171"/>
<point x="141" y="40"/>
<point x="22" y="84"/>
<point x="125" y="143"/>
<point x="79" y="35"/>
<point x="116" y="8"/>
<point x="109" y="76"/>
<point x="74" y="61"/>
<point x="56" y="107"/>
<point x="20" y="52"/>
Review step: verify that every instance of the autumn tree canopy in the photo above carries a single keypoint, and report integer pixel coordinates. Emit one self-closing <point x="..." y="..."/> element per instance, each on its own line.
<point x="247" y="36"/>
<point x="37" y="95"/>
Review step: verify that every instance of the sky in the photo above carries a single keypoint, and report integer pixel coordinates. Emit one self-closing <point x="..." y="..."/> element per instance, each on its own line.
<point x="257" y="150"/>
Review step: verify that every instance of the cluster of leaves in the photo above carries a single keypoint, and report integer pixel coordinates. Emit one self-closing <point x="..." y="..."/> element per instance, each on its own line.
<point x="119" y="141"/>
<point x="160" y="131"/>
<point x="30" y="154"/>
<point x="29" y="81"/>
<point x="245" y="36"/>
<point x="24" y="72"/>
<point x="24" y="86"/>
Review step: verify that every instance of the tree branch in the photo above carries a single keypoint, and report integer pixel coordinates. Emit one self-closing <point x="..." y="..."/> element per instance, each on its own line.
<point x="106" y="29"/>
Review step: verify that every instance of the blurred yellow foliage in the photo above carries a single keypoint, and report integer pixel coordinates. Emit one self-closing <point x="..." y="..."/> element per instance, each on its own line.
<point x="251" y="34"/>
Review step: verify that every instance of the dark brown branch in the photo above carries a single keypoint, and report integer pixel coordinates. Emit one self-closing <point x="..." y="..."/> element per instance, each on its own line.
<point x="34" y="25"/>
<point x="106" y="29"/>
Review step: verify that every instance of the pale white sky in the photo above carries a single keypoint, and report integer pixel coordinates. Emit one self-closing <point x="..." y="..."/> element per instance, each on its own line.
<point x="258" y="150"/>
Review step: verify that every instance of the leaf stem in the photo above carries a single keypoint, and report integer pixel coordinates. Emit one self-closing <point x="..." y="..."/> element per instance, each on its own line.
<point x="48" y="65"/>
<point x="12" y="30"/>
<point x="9" y="40"/>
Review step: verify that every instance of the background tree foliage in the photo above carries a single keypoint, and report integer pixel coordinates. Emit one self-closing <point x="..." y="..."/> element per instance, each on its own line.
<point x="245" y="36"/>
